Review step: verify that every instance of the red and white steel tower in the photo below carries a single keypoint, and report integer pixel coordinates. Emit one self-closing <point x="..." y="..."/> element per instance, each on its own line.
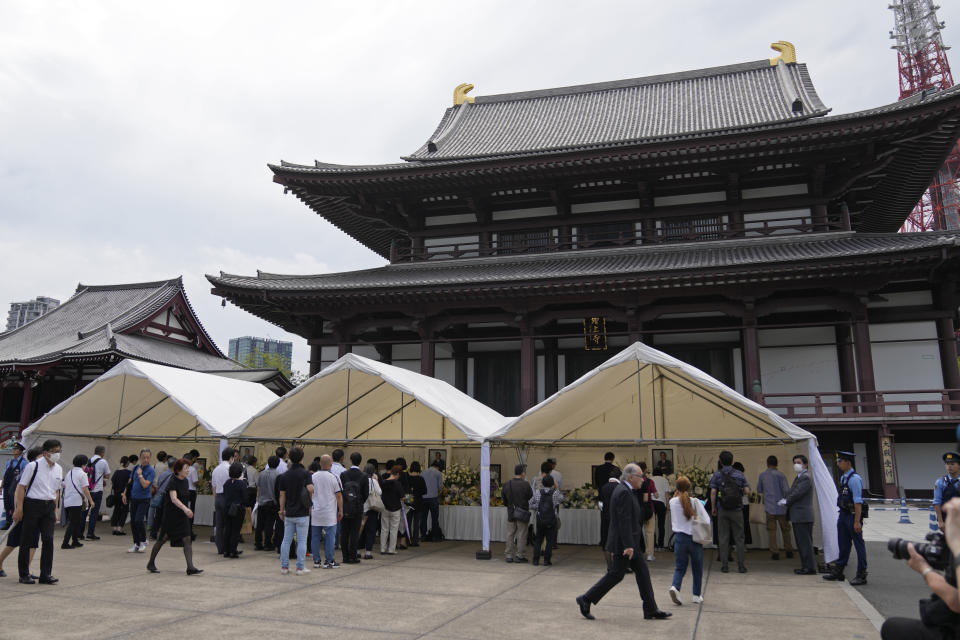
<point x="924" y="67"/>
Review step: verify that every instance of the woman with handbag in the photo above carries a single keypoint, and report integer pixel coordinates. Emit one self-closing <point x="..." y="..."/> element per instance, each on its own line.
<point x="372" y="509"/>
<point x="691" y="529"/>
<point x="175" y="521"/>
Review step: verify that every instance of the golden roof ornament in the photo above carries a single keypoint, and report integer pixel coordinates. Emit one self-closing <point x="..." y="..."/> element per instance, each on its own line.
<point x="788" y="53"/>
<point x="460" y="94"/>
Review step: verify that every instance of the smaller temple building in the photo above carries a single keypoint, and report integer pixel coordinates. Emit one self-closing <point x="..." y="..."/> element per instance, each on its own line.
<point x="51" y="358"/>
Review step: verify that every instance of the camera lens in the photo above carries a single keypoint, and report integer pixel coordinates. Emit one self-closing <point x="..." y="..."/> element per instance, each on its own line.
<point x="898" y="547"/>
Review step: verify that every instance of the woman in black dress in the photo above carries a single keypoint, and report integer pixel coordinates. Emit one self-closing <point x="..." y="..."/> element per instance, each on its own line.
<point x="235" y="496"/>
<point x="176" y="517"/>
<point x="120" y="479"/>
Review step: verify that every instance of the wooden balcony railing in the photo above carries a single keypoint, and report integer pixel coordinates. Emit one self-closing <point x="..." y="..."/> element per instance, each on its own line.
<point x="924" y="403"/>
<point x="667" y="230"/>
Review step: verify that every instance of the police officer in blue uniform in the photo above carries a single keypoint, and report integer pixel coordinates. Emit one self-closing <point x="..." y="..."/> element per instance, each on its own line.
<point x="850" y="521"/>
<point x="948" y="486"/>
<point x="11" y="476"/>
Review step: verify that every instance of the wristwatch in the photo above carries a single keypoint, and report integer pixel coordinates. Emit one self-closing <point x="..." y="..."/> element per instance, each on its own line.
<point x="923" y="574"/>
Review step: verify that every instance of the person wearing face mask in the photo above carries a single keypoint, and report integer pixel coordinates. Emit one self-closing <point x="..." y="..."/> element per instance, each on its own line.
<point x="799" y="504"/>
<point x="37" y="506"/>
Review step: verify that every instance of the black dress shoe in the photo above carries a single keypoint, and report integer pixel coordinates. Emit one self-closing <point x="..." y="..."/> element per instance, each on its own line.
<point x="48" y="580"/>
<point x="66" y="546"/>
<point x="152" y="569"/>
<point x="547" y="563"/>
<point x="657" y="615"/>
<point x="789" y="554"/>
<point x="521" y="560"/>
<point x="510" y="560"/>
<point x="3" y="574"/>
<point x="193" y="572"/>
<point x="804" y="572"/>
<point x="93" y="537"/>
<point x="584" y="605"/>
<point x="27" y="580"/>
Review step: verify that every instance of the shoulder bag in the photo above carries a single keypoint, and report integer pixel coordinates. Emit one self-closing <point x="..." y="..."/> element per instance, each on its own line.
<point x="702" y="531"/>
<point x="375" y="499"/>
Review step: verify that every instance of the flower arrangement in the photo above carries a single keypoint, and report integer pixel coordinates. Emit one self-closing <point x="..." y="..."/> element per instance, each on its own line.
<point x="699" y="477"/>
<point x="461" y="474"/>
<point x="584" y="497"/>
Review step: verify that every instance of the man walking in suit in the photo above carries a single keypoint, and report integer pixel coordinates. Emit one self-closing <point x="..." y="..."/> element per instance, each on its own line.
<point x="799" y="503"/>
<point x="623" y="542"/>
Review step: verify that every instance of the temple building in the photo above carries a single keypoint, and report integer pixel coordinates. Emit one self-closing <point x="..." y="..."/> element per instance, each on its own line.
<point x="55" y="355"/>
<point x="720" y="215"/>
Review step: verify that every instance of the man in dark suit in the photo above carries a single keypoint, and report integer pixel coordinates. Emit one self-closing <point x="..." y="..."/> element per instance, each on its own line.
<point x="623" y="542"/>
<point x="799" y="503"/>
<point x="350" y="525"/>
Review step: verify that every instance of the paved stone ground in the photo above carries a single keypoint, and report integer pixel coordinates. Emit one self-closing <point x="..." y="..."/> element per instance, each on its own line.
<point x="438" y="591"/>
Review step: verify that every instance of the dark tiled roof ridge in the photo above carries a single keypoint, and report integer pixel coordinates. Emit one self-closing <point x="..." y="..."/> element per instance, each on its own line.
<point x="661" y="78"/>
<point x="812" y="122"/>
<point x="156" y="284"/>
<point x="909" y="240"/>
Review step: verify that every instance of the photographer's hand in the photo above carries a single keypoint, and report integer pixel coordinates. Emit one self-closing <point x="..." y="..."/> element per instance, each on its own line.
<point x="951" y="525"/>
<point x="916" y="561"/>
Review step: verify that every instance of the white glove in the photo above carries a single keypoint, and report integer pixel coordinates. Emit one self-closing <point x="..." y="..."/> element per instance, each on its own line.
<point x="782" y="501"/>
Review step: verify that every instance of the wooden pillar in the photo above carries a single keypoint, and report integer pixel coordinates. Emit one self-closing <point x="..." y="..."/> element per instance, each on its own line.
<point x="948" y="358"/>
<point x="460" y="363"/>
<point x="528" y="371"/>
<point x="343" y="349"/>
<point x="861" y="348"/>
<point x="428" y="353"/>
<point x="634" y="326"/>
<point x="820" y="218"/>
<point x="751" y="356"/>
<point x="27" y="408"/>
<point x="316" y="358"/>
<point x="551" y="364"/>
<point x="847" y="368"/>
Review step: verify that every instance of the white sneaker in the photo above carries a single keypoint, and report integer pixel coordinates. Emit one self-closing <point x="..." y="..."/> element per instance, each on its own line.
<point x="698" y="599"/>
<point x="675" y="595"/>
<point x="303" y="571"/>
<point x="143" y="547"/>
<point x="650" y="558"/>
<point x="134" y="549"/>
<point x="284" y="571"/>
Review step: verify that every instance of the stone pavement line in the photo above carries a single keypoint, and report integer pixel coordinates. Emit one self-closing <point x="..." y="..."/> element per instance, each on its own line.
<point x="865" y="607"/>
<point x="703" y="591"/>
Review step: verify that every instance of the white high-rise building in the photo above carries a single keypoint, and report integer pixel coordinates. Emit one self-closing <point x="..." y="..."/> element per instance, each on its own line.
<point x="23" y="312"/>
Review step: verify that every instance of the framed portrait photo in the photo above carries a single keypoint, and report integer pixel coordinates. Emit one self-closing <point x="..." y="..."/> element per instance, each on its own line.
<point x="437" y="455"/>
<point x="663" y="461"/>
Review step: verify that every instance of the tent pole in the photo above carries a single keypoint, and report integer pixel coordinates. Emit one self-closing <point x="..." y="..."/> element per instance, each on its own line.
<point x="484" y="553"/>
<point x="346" y="427"/>
<point x="639" y="398"/>
<point x="123" y="389"/>
<point x="401" y="417"/>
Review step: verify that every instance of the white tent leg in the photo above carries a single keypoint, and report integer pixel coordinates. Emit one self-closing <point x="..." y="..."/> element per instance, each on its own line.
<point x="826" y="500"/>
<point x="223" y="445"/>
<point x="484" y="553"/>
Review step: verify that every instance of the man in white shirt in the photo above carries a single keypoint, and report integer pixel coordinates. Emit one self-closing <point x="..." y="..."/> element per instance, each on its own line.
<point x="37" y="506"/>
<point x="282" y="454"/>
<point x="557" y="476"/>
<point x="76" y="492"/>
<point x="337" y="467"/>
<point x="218" y="478"/>
<point x="101" y="472"/>
<point x="326" y="513"/>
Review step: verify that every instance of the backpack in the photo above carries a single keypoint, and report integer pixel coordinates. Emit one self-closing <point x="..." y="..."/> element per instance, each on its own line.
<point x="730" y="492"/>
<point x="91" y="470"/>
<point x="546" y="514"/>
<point x="352" y="500"/>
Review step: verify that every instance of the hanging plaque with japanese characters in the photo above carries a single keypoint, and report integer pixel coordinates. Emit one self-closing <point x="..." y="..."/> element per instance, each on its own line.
<point x="595" y="333"/>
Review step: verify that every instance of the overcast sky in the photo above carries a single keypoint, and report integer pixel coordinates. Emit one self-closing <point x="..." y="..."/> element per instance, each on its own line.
<point x="134" y="139"/>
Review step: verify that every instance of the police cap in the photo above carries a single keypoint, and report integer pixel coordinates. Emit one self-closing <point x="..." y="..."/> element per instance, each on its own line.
<point x="951" y="456"/>
<point x="846" y="455"/>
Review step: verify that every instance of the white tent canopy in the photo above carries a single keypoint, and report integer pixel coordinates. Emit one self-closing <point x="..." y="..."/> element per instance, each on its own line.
<point x="360" y="400"/>
<point x="140" y="400"/>
<point x="644" y="396"/>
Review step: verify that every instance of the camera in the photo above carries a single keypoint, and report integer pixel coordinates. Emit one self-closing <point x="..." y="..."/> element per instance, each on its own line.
<point x="935" y="551"/>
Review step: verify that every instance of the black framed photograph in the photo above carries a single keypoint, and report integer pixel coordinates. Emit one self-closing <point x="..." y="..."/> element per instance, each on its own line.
<point x="201" y="464"/>
<point x="495" y="477"/>
<point x="663" y="461"/>
<point x="382" y="467"/>
<point x="246" y="452"/>
<point x="434" y="455"/>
